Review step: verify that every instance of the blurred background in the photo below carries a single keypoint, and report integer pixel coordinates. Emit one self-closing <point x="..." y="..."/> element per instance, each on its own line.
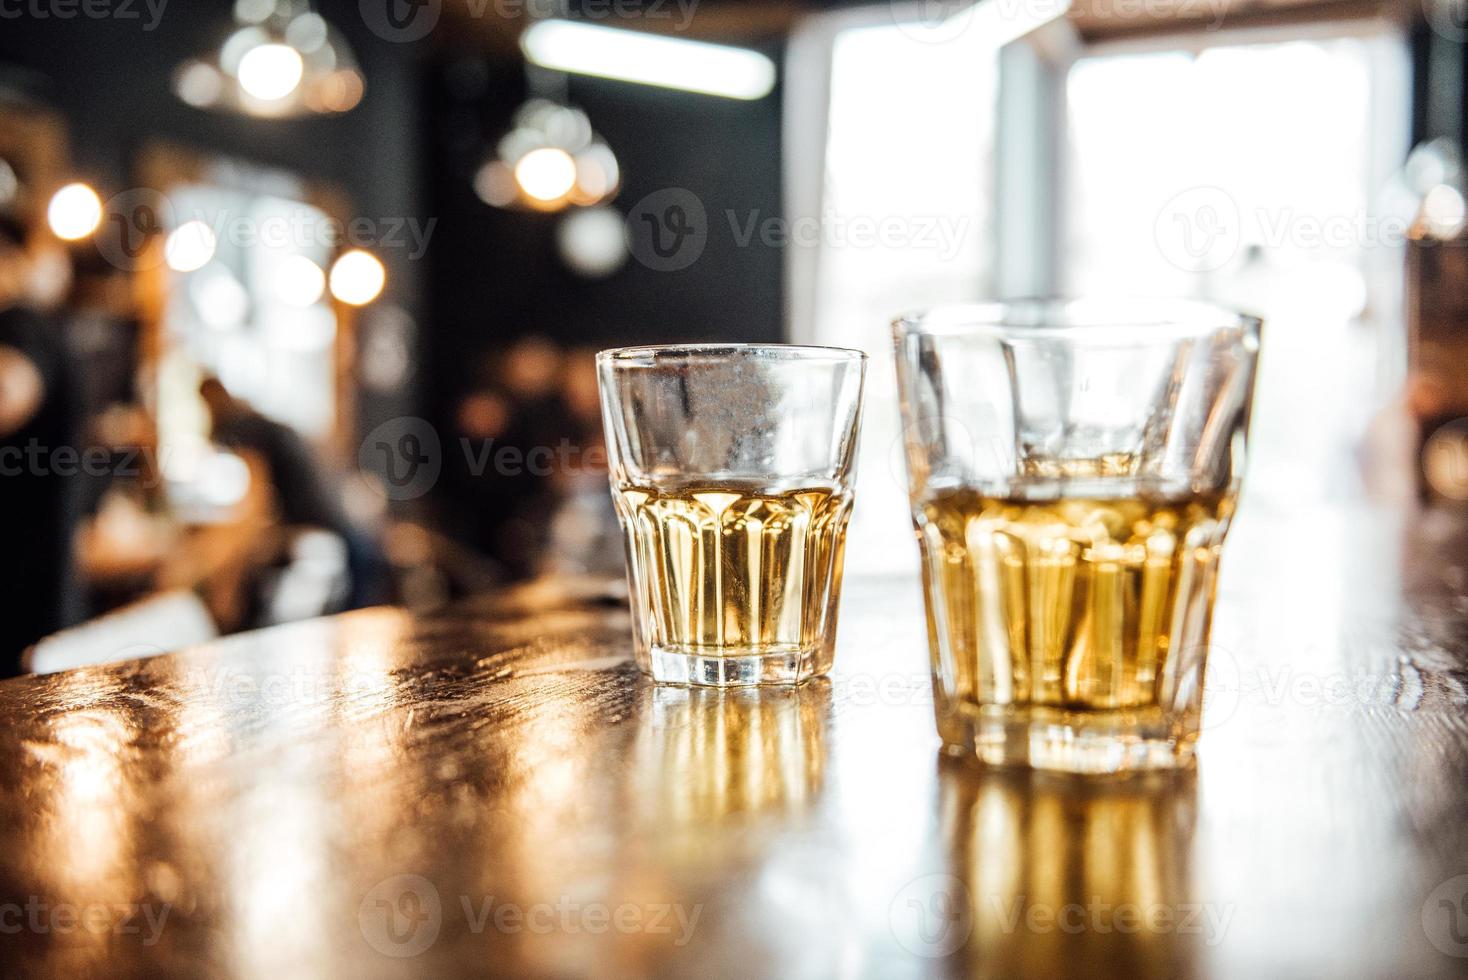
<point x="298" y="300"/>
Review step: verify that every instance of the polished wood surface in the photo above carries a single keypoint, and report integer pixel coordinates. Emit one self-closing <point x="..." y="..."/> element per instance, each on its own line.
<point x="495" y="791"/>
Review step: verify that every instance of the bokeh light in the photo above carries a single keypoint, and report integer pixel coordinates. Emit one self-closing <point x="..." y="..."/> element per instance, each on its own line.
<point x="357" y="277"/>
<point x="299" y="282"/>
<point x="75" y="212"/>
<point x="190" y="246"/>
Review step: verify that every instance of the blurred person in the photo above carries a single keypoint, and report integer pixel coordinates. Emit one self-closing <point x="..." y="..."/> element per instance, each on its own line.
<point x="38" y="493"/>
<point x="305" y="494"/>
<point x="583" y="397"/>
<point x="539" y="423"/>
<point x="513" y="423"/>
<point x="481" y="499"/>
<point x="585" y="538"/>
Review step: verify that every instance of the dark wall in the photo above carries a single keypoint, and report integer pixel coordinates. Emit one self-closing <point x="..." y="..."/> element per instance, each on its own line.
<point x="496" y="275"/>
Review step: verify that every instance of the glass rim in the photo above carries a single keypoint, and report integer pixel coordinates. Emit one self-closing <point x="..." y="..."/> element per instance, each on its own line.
<point x="650" y="355"/>
<point x="1123" y="318"/>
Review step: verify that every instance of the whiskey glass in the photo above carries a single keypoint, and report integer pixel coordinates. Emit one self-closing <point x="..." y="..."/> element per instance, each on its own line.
<point x="731" y="469"/>
<point x="1073" y="466"/>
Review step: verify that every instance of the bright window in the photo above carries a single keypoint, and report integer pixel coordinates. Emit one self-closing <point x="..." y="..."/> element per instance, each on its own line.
<point x="1259" y="176"/>
<point x="906" y="222"/>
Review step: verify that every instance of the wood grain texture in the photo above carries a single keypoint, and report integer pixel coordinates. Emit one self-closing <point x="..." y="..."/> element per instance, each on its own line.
<point x="495" y="791"/>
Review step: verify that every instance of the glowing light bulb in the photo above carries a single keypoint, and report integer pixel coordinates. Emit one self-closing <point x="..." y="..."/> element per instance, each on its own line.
<point x="357" y="278"/>
<point x="75" y="212"/>
<point x="546" y="174"/>
<point x="190" y="246"/>
<point x="271" y="71"/>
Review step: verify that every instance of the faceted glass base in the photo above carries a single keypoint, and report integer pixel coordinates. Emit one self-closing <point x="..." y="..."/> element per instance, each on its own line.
<point x="736" y="667"/>
<point x="1056" y="741"/>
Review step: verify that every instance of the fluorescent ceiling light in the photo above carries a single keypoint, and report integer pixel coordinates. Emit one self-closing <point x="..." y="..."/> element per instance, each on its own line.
<point x="649" y="59"/>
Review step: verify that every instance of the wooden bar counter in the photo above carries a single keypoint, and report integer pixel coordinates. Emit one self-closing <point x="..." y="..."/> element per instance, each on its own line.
<point x="495" y="791"/>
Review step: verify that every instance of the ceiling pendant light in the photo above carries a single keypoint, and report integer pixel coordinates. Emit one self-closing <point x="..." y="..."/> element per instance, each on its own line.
<point x="550" y="159"/>
<point x="282" y="59"/>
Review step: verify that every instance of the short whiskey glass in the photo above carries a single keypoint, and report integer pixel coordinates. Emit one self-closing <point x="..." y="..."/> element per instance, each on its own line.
<point x="731" y="469"/>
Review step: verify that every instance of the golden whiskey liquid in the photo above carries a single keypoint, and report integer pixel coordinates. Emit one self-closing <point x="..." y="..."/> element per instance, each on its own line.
<point x="729" y="569"/>
<point x="1086" y="606"/>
